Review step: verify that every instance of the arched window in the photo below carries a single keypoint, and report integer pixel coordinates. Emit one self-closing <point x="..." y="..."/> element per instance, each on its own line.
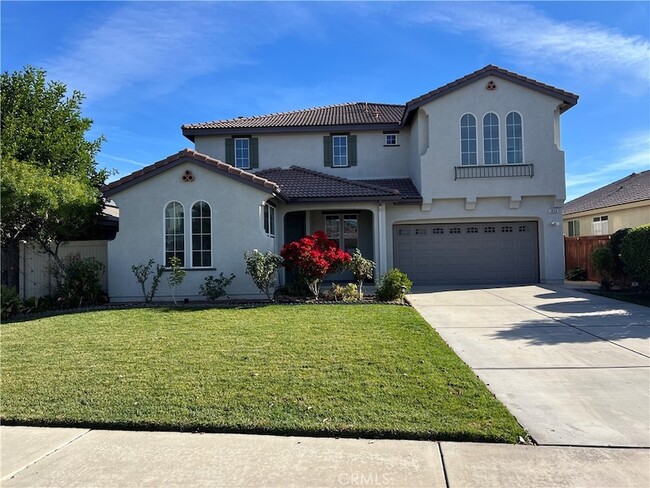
<point x="201" y="235"/>
<point x="491" y="139"/>
<point x="467" y="140"/>
<point x="515" y="139"/>
<point x="174" y="232"/>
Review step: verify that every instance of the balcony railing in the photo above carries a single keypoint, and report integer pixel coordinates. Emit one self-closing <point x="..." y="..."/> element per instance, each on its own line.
<point x="494" y="171"/>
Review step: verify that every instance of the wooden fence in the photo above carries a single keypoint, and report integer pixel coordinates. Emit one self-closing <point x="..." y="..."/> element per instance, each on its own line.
<point x="577" y="253"/>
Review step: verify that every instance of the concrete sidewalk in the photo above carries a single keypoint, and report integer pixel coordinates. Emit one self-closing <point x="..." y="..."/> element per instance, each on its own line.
<point x="574" y="368"/>
<point x="37" y="456"/>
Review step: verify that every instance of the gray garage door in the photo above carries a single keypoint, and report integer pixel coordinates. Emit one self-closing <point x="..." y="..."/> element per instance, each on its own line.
<point x="479" y="253"/>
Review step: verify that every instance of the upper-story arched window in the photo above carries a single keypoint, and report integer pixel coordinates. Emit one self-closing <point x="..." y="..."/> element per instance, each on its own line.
<point x="468" y="140"/>
<point x="174" y="232"/>
<point x="514" y="139"/>
<point x="491" y="139"/>
<point x="201" y="235"/>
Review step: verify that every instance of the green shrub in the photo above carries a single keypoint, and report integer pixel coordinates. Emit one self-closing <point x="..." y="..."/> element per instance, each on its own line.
<point x="603" y="260"/>
<point x="615" y="245"/>
<point x="393" y="285"/>
<point x="635" y="254"/>
<point x="79" y="282"/>
<point x="576" y="274"/>
<point x="347" y="293"/>
<point x="215" y="288"/>
<point x="142" y="273"/>
<point x="262" y="268"/>
<point x="10" y="299"/>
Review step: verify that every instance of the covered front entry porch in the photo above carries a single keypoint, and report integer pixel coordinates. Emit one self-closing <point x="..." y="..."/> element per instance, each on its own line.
<point x="351" y="227"/>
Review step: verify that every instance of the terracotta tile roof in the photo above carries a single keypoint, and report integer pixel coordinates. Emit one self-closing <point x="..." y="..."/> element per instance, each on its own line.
<point x="357" y="113"/>
<point x="305" y="185"/>
<point x="188" y="155"/>
<point x="632" y="188"/>
<point x="569" y="99"/>
<point x="407" y="189"/>
<point x="364" y="114"/>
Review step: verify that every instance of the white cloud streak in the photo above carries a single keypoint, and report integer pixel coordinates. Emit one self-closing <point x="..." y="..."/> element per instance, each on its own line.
<point x="586" y="49"/>
<point x="157" y="47"/>
<point x="634" y="152"/>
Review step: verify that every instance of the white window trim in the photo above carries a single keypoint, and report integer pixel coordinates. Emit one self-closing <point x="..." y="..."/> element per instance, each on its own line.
<point x="600" y="225"/>
<point x="460" y="138"/>
<point x="347" y="151"/>
<point x="248" y="143"/>
<point x="191" y="248"/>
<point x="164" y="233"/>
<point x="386" y="143"/>
<point x="523" y="142"/>
<point x="498" y="138"/>
<point x="263" y="219"/>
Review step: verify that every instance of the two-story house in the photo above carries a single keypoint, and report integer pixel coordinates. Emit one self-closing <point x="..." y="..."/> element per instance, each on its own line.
<point x="462" y="185"/>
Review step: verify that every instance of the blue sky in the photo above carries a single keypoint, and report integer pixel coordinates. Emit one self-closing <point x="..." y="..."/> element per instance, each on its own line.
<point x="147" y="68"/>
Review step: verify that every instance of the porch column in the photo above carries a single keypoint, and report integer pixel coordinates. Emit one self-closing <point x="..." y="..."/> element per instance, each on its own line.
<point x="381" y="240"/>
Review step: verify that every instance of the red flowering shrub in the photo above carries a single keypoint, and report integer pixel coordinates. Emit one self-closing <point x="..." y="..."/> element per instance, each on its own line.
<point x="314" y="257"/>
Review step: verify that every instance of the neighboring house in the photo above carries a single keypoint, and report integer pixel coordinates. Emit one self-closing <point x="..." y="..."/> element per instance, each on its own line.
<point x="462" y="185"/>
<point x="624" y="203"/>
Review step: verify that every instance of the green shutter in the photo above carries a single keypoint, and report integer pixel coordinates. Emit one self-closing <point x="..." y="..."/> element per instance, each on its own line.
<point x="352" y="150"/>
<point x="230" y="151"/>
<point x="327" y="149"/>
<point x="254" y="153"/>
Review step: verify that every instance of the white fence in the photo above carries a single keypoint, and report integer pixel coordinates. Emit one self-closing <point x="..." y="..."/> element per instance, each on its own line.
<point x="34" y="267"/>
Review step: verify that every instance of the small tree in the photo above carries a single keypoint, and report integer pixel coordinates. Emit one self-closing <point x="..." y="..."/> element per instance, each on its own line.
<point x="635" y="254"/>
<point x="142" y="273"/>
<point x="262" y="268"/>
<point x="176" y="275"/>
<point x="314" y="257"/>
<point x="49" y="177"/>
<point x="362" y="269"/>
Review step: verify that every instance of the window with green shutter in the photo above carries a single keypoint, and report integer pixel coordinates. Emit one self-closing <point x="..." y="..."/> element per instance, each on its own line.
<point x="339" y="150"/>
<point x="243" y="152"/>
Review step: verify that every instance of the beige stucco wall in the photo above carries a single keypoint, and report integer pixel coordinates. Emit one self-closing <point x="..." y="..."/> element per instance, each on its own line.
<point x="306" y="150"/>
<point x="619" y="217"/>
<point x="236" y="227"/>
<point x="442" y="152"/>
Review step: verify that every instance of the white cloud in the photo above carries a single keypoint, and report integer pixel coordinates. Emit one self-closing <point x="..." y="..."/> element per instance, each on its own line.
<point x="157" y="47"/>
<point x="634" y="156"/>
<point x="587" y="49"/>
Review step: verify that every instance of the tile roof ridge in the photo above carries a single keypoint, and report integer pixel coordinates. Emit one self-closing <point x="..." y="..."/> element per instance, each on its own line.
<point x="345" y="180"/>
<point x="291" y="112"/>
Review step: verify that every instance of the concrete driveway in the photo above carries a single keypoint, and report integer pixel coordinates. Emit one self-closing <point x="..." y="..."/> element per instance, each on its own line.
<point x="574" y="368"/>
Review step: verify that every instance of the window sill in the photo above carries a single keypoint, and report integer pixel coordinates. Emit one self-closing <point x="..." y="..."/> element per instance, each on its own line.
<point x="194" y="269"/>
<point x="391" y="145"/>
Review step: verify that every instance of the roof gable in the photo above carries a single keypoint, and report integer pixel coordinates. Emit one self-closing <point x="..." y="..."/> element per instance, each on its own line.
<point x="189" y="156"/>
<point x="568" y="99"/>
<point x="631" y="189"/>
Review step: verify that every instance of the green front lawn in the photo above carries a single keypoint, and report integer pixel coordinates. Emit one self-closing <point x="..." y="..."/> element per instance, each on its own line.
<point x="364" y="370"/>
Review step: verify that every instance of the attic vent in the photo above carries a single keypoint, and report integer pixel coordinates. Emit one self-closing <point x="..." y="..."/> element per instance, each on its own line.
<point x="491" y="86"/>
<point x="188" y="177"/>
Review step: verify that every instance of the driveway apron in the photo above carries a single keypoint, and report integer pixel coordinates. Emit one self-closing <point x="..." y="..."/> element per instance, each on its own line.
<point x="574" y="368"/>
